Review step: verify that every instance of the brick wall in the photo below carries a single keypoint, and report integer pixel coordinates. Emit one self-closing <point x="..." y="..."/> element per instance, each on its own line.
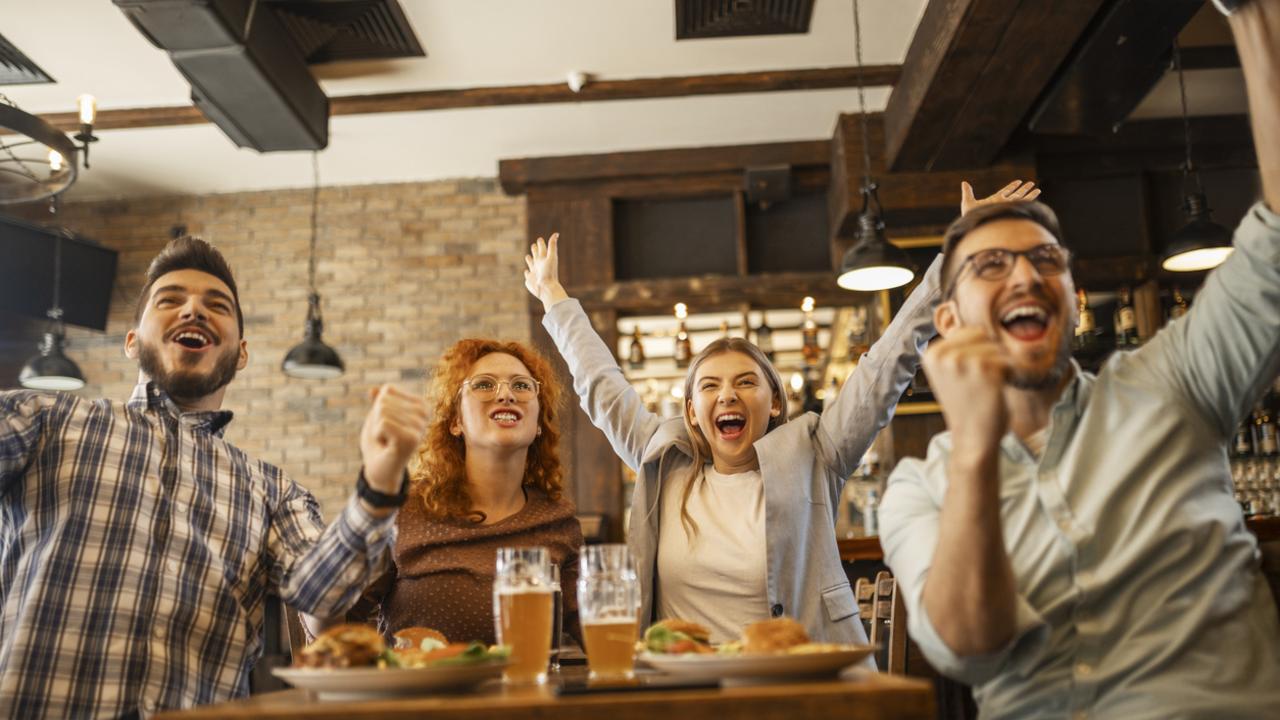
<point x="402" y="270"/>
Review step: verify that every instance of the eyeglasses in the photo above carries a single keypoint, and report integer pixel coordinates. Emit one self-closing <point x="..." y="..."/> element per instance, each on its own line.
<point x="485" y="387"/>
<point x="997" y="263"/>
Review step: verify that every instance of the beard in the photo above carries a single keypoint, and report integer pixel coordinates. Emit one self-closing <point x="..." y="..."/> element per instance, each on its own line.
<point x="1051" y="378"/>
<point x="186" y="384"/>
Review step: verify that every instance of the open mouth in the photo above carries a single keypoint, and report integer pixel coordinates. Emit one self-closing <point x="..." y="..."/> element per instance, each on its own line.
<point x="1026" y="322"/>
<point x="193" y="339"/>
<point x="731" y="425"/>
<point x="505" y="418"/>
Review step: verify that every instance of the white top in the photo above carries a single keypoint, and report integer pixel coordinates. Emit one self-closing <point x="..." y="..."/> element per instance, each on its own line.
<point x="1036" y="441"/>
<point x="715" y="577"/>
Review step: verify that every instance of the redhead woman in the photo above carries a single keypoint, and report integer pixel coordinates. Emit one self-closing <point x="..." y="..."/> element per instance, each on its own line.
<point x="487" y="476"/>
<point x="732" y="519"/>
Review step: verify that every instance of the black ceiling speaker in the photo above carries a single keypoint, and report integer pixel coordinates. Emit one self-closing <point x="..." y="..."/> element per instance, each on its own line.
<point x="246" y="75"/>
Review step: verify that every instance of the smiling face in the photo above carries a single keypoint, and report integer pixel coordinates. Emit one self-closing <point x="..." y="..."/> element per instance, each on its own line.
<point x="507" y="420"/>
<point x="731" y="403"/>
<point x="1032" y="315"/>
<point x="187" y="339"/>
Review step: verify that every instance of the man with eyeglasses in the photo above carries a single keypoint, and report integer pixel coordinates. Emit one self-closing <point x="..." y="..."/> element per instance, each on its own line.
<point x="1071" y="547"/>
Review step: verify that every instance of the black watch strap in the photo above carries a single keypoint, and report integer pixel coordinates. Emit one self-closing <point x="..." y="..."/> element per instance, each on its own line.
<point x="381" y="499"/>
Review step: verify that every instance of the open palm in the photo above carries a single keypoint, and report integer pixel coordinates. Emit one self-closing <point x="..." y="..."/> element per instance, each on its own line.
<point x="1016" y="190"/>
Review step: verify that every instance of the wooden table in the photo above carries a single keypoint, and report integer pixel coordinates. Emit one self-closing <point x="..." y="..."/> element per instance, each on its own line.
<point x="858" y="695"/>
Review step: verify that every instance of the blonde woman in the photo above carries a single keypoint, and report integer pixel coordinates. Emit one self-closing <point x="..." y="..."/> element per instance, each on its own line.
<point x="733" y="516"/>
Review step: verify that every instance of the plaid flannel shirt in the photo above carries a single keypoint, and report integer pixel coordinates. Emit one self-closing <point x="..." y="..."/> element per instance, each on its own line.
<point x="136" y="549"/>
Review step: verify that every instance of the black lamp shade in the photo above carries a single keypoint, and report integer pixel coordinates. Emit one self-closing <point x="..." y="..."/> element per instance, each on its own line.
<point x="51" y="369"/>
<point x="1201" y="244"/>
<point x="312" y="359"/>
<point x="873" y="263"/>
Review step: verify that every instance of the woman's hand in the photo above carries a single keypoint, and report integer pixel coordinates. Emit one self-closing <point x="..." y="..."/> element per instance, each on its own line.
<point x="542" y="278"/>
<point x="1016" y="190"/>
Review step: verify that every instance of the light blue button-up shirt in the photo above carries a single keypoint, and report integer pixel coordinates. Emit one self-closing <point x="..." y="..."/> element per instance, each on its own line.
<point x="1139" y="590"/>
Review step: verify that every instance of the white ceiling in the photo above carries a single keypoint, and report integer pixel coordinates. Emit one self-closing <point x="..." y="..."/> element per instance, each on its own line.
<point x="89" y="46"/>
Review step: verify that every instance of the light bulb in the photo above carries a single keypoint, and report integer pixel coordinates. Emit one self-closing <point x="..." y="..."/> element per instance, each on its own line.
<point x="88" y="109"/>
<point x="55" y="160"/>
<point x="682" y="311"/>
<point x="807" y="305"/>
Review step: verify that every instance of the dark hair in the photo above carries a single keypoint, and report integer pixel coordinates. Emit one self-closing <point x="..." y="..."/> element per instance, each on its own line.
<point x="1036" y="212"/>
<point x="189" y="253"/>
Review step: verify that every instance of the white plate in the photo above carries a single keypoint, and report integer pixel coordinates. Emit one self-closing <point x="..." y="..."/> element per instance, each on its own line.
<point x="757" y="666"/>
<point x="363" y="683"/>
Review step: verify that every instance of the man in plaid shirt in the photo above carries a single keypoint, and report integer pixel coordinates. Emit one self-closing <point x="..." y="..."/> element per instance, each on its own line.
<point x="137" y="546"/>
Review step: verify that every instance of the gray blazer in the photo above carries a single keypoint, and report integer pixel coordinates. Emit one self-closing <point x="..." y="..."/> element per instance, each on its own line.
<point x="804" y="462"/>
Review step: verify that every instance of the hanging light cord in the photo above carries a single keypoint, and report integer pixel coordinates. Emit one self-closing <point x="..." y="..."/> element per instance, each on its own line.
<point x="1188" y="169"/>
<point x="862" y="100"/>
<point x="315" y="204"/>
<point x="55" y="312"/>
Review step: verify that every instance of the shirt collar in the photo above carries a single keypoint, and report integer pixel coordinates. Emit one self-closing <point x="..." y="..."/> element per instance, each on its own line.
<point x="148" y="395"/>
<point x="1062" y="417"/>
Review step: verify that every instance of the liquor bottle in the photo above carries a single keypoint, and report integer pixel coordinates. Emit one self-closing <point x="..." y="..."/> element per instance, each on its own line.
<point x="809" y="332"/>
<point x="684" y="348"/>
<point x="1264" y="431"/>
<point x="1087" y="328"/>
<point x="1180" y="305"/>
<point x="724" y="328"/>
<point x="1242" y="445"/>
<point x="1126" y="321"/>
<point x="764" y="337"/>
<point x="635" y="353"/>
<point x="858" y="333"/>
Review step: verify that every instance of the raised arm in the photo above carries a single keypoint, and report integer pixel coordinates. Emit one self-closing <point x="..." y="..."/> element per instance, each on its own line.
<point x="608" y="399"/>
<point x="322" y="571"/>
<point x="1223" y="352"/>
<point x="870" y="394"/>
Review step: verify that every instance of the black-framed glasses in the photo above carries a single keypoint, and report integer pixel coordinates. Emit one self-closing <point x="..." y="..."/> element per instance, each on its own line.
<point x="997" y="263"/>
<point x="485" y="387"/>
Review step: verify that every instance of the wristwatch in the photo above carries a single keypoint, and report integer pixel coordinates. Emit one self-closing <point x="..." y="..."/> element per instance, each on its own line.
<point x="1229" y="6"/>
<point x="380" y="499"/>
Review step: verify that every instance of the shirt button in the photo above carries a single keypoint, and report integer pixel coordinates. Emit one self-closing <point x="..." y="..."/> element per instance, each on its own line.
<point x="776" y="610"/>
<point x="1064" y="524"/>
<point x="160" y="632"/>
<point x="1083" y="669"/>
<point x="173" y="566"/>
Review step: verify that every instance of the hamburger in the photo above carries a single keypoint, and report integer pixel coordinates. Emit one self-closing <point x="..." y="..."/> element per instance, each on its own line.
<point x="419" y="638"/>
<point x="778" y="635"/>
<point x="343" y="646"/>
<point x="676" y="637"/>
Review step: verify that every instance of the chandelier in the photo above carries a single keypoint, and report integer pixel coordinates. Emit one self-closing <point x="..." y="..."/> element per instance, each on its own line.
<point x="37" y="160"/>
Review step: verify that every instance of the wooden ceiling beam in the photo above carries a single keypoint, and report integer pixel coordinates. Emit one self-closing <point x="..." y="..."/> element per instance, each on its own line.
<point x="973" y="71"/>
<point x="594" y="91"/>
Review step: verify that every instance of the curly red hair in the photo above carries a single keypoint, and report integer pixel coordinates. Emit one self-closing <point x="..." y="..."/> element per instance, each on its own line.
<point x="439" y="469"/>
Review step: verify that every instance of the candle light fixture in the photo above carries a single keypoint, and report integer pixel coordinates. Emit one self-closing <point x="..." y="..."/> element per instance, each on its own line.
<point x="37" y="161"/>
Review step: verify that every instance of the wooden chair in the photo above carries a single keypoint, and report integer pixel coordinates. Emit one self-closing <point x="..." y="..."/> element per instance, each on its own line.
<point x="889" y="624"/>
<point x="865" y="592"/>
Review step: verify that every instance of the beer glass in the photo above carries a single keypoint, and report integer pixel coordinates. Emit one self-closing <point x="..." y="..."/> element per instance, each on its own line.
<point x="522" y="598"/>
<point x="557" y="617"/>
<point x="609" y="606"/>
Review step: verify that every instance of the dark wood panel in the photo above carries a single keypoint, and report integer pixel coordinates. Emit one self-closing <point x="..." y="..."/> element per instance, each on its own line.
<point x="596" y="90"/>
<point x="518" y="174"/>
<point x="973" y="71"/>
<point x="592" y="471"/>
<point x="1124" y="55"/>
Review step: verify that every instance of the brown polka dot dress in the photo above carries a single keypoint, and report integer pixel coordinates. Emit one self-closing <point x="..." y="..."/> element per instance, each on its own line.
<point x="442" y="577"/>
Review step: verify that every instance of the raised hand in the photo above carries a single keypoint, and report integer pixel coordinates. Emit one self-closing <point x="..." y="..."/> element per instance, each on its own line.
<point x="393" y="428"/>
<point x="1016" y="190"/>
<point x="542" y="278"/>
<point x="967" y="371"/>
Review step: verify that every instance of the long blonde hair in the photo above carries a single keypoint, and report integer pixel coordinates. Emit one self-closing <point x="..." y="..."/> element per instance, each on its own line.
<point x="700" y="447"/>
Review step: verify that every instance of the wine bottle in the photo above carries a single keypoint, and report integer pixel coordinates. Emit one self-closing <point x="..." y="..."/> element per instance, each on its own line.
<point x="1126" y="321"/>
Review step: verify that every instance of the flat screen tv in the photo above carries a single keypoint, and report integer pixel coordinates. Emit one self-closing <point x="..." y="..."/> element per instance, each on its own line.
<point x="26" y="274"/>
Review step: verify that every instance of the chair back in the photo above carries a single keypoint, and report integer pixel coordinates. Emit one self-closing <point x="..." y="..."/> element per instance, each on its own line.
<point x="888" y="623"/>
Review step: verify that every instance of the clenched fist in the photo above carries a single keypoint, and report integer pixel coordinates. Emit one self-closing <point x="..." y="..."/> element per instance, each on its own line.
<point x="392" y="431"/>
<point x="967" y="371"/>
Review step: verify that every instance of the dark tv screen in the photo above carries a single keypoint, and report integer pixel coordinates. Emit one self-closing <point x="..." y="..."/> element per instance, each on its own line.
<point x="26" y="274"/>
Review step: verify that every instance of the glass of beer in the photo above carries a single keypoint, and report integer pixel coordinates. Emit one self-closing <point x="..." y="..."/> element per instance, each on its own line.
<point x="522" y="597"/>
<point x="609" y="606"/>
